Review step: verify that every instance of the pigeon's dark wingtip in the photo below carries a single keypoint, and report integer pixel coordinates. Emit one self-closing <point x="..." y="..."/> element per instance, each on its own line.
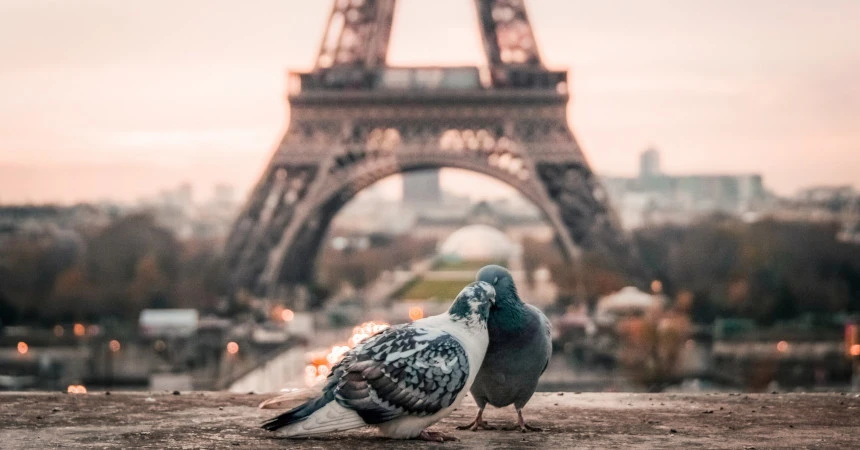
<point x="298" y="413"/>
<point x="271" y="424"/>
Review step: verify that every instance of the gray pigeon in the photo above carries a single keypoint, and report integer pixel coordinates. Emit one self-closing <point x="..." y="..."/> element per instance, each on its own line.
<point x="403" y="379"/>
<point x="519" y="351"/>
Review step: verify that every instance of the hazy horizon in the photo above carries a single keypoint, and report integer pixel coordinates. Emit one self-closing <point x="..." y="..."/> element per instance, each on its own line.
<point x="165" y="92"/>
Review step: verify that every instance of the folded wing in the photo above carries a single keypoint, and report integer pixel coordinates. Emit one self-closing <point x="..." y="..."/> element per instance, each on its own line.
<point x="405" y="370"/>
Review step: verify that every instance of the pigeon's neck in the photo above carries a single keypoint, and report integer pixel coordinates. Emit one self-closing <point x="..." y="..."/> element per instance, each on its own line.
<point x="509" y="316"/>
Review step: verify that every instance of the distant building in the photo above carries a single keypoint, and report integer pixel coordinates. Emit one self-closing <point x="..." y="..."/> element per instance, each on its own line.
<point x="371" y="212"/>
<point x="224" y="196"/>
<point x="518" y="220"/>
<point x="654" y="198"/>
<point x="59" y="222"/>
<point x="176" y="210"/>
<point x="649" y="164"/>
<point x="826" y="204"/>
<point x="155" y="323"/>
<point x="422" y="188"/>
<point x="826" y="195"/>
<point x="173" y="209"/>
<point x="477" y="242"/>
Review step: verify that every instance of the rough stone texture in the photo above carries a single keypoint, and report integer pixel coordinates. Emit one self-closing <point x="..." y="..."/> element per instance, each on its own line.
<point x="570" y="420"/>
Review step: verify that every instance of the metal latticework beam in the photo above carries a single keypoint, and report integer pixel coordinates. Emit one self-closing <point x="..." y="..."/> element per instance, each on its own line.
<point x="507" y="33"/>
<point x="357" y="34"/>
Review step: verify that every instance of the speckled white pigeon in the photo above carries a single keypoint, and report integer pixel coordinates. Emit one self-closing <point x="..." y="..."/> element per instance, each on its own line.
<point x="519" y="351"/>
<point x="403" y="379"/>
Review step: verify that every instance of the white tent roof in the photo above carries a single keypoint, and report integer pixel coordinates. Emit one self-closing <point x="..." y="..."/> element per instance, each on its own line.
<point x="628" y="298"/>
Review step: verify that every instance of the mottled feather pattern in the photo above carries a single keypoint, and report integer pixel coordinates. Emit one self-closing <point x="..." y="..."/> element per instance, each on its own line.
<point x="469" y="310"/>
<point x="404" y="370"/>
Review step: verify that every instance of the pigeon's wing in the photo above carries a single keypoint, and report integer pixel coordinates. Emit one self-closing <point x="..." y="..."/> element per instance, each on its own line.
<point x="340" y="369"/>
<point x="546" y="329"/>
<point x="406" y="370"/>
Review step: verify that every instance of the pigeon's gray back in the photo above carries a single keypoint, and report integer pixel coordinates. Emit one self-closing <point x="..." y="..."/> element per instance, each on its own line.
<point x="514" y="362"/>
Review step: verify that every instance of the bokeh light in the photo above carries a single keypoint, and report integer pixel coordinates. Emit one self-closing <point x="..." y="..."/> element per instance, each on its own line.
<point x="114" y="345"/>
<point x="365" y="331"/>
<point x="321" y="362"/>
<point x="23" y="348"/>
<point x="287" y="315"/>
<point x="76" y="389"/>
<point x="416" y="312"/>
<point x="232" y="348"/>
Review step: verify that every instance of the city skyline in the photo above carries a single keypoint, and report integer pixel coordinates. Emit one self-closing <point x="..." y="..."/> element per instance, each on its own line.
<point x="154" y="93"/>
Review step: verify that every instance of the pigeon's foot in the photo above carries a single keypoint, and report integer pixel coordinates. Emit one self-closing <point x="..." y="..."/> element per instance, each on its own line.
<point x="524" y="427"/>
<point x="435" y="436"/>
<point x="478" y="424"/>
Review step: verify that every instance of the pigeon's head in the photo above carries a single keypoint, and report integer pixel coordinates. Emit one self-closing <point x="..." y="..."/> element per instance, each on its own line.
<point x="473" y="303"/>
<point x="502" y="281"/>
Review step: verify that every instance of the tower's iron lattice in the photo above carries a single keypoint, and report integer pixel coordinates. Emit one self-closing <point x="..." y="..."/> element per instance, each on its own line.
<point x="355" y="120"/>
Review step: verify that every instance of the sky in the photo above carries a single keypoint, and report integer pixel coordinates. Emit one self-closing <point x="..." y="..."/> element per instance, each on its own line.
<point x="117" y="99"/>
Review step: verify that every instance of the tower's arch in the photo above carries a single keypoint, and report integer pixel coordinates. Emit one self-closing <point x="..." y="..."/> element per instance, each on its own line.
<point x="355" y="121"/>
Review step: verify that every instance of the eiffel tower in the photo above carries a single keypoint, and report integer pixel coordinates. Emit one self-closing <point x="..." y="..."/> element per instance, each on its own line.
<point x="355" y="120"/>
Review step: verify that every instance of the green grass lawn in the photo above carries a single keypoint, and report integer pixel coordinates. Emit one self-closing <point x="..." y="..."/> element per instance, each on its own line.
<point x="444" y="290"/>
<point x="464" y="265"/>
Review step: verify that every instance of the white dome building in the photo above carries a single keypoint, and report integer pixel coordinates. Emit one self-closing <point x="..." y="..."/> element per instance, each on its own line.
<point x="477" y="243"/>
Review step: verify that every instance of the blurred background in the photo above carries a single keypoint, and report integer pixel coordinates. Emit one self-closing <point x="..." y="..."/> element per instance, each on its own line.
<point x="725" y="135"/>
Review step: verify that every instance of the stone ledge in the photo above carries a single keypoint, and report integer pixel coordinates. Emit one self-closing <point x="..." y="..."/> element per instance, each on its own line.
<point x="588" y="420"/>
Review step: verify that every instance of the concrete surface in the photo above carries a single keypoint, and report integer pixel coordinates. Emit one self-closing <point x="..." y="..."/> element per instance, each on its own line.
<point x="570" y="420"/>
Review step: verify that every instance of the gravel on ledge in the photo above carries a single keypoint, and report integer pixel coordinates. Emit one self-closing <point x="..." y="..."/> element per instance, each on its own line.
<point x="569" y="420"/>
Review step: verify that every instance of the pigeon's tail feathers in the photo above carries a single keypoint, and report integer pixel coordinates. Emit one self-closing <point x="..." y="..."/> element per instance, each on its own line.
<point x="298" y="414"/>
<point x="329" y="418"/>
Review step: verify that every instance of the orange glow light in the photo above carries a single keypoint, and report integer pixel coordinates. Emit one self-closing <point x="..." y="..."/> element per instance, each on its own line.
<point x="336" y="354"/>
<point x="76" y="389"/>
<point x="287" y="315"/>
<point x="275" y="314"/>
<point x="114" y="346"/>
<point x="232" y="348"/>
<point x="416" y="312"/>
<point x="320" y="363"/>
<point x="855" y="350"/>
<point x="80" y="329"/>
<point x="23" y="348"/>
<point x="782" y="346"/>
<point x="656" y="286"/>
<point x="365" y="331"/>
